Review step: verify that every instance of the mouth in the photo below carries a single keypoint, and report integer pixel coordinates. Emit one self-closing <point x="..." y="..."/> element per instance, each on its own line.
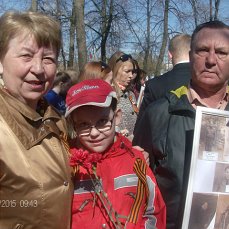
<point x="209" y="74"/>
<point x="36" y="85"/>
<point x="97" y="141"/>
<point x="35" y="82"/>
<point x="209" y="71"/>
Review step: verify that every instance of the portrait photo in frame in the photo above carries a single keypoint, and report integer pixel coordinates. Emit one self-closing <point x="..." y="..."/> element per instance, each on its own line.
<point x="207" y="200"/>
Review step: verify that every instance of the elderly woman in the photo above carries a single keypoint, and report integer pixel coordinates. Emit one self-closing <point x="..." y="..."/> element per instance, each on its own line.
<point x="123" y="68"/>
<point x="35" y="178"/>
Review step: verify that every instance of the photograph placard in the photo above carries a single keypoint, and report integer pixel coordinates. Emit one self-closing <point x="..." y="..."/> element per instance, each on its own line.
<point x="207" y="201"/>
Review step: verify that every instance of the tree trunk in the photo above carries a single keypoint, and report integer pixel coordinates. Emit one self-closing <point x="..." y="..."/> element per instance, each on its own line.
<point x="106" y="26"/>
<point x="34" y="5"/>
<point x="217" y="2"/>
<point x="146" y="61"/>
<point x="194" y="8"/>
<point x="72" y="36"/>
<point x="211" y="10"/>
<point x="80" y="33"/>
<point x="164" y="40"/>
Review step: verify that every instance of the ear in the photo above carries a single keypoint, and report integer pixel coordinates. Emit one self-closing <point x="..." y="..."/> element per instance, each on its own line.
<point x="170" y="55"/>
<point x="118" y="116"/>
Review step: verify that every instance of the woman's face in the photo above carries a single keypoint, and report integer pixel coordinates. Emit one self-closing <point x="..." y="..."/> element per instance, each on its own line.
<point x="125" y="74"/>
<point x="28" y="70"/>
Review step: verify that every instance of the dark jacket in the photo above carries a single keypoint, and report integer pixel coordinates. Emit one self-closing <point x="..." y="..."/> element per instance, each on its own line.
<point x="157" y="87"/>
<point x="166" y="132"/>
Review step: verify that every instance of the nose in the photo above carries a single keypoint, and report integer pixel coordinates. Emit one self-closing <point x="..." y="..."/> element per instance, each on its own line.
<point x="131" y="75"/>
<point x="211" y="58"/>
<point x="37" y="66"/>
<point x="94" y="131"/>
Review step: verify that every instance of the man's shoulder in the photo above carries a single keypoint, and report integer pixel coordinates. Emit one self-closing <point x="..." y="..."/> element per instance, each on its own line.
<point x="153" y="81"/>
<point x="178" y="75"/>
<point x="171" y="98"/>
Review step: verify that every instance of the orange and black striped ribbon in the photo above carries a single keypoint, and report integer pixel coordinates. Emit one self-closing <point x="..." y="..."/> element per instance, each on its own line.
<point x="134" y="105"/>
<point x="64" y="140"/>
<point x="142" y="190"/>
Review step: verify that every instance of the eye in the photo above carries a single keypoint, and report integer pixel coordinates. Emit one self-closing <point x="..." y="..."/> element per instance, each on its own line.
<point x="82" y="126"/>
<point x="102" y="122"/>
<point x="221" y="54"/>
<point x="49" y="60"/>
<point x="202" y="51"/>
<point x="26" y="56"/>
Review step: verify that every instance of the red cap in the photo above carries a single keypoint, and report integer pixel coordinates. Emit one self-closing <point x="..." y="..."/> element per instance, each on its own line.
<point x="94" y="92"/>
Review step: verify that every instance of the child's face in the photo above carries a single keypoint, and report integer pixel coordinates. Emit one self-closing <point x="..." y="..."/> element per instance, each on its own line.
<point x="95" y="127"/>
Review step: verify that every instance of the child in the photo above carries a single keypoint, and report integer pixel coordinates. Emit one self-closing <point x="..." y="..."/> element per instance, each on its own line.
<point x="114" y="188"/>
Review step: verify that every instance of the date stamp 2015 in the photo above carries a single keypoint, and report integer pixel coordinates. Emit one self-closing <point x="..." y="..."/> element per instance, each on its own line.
<point x="18" y="203"/>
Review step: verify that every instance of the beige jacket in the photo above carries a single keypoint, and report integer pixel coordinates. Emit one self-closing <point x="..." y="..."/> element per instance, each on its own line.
<point x="35" y="178"/>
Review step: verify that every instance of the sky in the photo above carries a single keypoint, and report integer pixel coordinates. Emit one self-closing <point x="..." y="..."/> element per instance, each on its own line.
<point x="25" y="4"/>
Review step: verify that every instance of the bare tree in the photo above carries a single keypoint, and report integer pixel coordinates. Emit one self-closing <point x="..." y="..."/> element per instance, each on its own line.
<point x="80" y="33"/>
<point x="194" y="8"/>
<point x="72" y="36"/>
<point x="164" y="39"/>
<point x="216" y="10"/>
<point x="105" y="26"/>
<point x="217" y="3"/>
<point x="132" y="26"/>
<point x="210" y="4"/>
<point x="33" y="5"/>
<point x="148" y="34"/>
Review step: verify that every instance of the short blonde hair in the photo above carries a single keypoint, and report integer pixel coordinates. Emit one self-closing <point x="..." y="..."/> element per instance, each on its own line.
<point x="45" y="29"/>
<point x="94" y="70"/>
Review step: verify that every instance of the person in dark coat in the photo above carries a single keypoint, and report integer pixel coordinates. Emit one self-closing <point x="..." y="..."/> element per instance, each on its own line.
<point x="167" y="125"/>
<point x="180" y="74"/>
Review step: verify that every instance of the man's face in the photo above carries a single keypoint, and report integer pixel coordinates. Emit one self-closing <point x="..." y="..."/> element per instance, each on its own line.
<point x="95" y="127"/>
<point x="209" y="59"/>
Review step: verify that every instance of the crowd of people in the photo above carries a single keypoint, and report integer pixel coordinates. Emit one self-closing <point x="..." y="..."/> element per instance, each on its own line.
<point x="88" y="154"/>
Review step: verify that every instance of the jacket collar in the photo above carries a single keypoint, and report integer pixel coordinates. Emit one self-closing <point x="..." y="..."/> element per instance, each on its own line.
<point x="185" y="65"/>
<point x="28" y="125"/>
<point x="120" y="146"/>
<point x="179" y="101"/>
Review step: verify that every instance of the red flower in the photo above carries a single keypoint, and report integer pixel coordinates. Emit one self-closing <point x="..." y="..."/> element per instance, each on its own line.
<point x="83" y="158"/>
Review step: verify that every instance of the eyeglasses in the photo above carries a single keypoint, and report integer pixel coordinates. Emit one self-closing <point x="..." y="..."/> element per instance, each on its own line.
<point x="124" y="58"/>
<point x="103" y="125"/>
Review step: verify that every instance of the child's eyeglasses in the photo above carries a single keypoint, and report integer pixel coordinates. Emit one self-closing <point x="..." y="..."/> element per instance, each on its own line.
<point x="103" y="125"/>
<point x="124" y="58"/>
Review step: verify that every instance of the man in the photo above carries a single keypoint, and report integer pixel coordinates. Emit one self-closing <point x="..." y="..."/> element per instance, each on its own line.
<point x="157" y="87"/>
<point x="166" y="127"/>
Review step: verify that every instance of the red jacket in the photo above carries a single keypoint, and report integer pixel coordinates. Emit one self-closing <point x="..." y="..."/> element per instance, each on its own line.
<point x="119" y="182"/>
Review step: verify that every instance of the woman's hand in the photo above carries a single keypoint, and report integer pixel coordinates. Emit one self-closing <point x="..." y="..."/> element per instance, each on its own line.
<point x="145" y="154"/>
